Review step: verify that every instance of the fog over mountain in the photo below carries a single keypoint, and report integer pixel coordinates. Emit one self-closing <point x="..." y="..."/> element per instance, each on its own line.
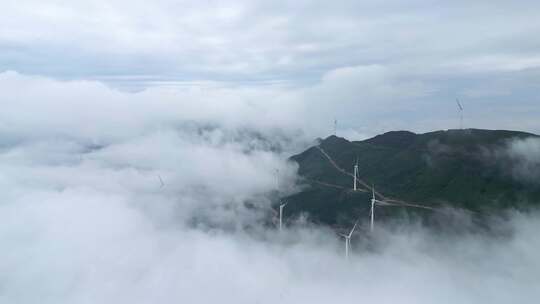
<point x="84" y="217"/>
<point x="527" y="154"/>
<point x="144" y="147"/>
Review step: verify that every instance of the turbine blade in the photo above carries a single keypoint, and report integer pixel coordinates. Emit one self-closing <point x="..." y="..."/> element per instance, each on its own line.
<point x="354" y="227"/>
<point x="459" y="105"/>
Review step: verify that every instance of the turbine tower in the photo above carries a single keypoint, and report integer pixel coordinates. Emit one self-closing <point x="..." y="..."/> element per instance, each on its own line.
<point x="281" y="215"/>
<point x="372" y="211"/>
<point x="460" y="108"/>
<point x="162" y="184"/>
<point x="348" y="240"/>
<point x="355" y="174"/>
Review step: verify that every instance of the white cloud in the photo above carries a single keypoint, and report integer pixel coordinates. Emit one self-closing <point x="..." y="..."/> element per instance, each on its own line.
<point x="83" y="217"/>
<point x="372" y="99"/>
<point x="85" y="245"/>
<point x="36" y="105"/>
<point x="524" y="155"/>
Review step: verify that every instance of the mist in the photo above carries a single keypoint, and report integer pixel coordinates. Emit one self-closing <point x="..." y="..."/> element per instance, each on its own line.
<point x="525" y="153"/>
<point x="85" y="218"/>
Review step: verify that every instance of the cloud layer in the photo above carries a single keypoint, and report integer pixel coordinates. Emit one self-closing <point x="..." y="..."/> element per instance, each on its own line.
<point x="84" y="217"/>
<point x="102" y="230"/>
<point x="366" y="101"/>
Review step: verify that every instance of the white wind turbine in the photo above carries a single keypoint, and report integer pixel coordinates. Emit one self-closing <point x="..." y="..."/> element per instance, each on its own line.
<point x="281" y="206"/>
<point x="348" y="239"/>
<point x="460" y="107"/>
<point x="372" y="211"/>
<point x="162" y="184"/>
<point x="355" y="174"/>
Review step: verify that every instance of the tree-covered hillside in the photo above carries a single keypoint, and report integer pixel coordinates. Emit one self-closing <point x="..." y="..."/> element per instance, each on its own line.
<point x="468" y="169"/>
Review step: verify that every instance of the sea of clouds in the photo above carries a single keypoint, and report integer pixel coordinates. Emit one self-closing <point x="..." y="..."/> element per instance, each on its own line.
<point x="84" y="217"/>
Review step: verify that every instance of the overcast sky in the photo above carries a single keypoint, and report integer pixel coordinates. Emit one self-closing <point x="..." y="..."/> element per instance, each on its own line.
<point x="374" y="66"/>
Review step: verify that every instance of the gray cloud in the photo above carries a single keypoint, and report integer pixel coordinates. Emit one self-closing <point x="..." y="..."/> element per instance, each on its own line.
<point x="263" y="41"/>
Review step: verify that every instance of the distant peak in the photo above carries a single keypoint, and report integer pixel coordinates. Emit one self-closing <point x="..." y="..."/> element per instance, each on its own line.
<point x="393" y="139"/>
<point x="398" y="133"/>
<point x="334" y="138"/>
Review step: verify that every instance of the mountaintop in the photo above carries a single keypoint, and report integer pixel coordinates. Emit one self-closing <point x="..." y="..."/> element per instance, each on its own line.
<point x="469" y="169"/>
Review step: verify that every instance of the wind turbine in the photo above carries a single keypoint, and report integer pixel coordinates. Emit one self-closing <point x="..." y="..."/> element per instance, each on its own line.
<point x="335" y="126"/>
<point x="372" y="211"/>
<point x="355" y="174"/>
<point x="348" y="239"/>
<point x="460" y="107"/>
<point x="281" y="215"/>
<point x="162" y="184"/>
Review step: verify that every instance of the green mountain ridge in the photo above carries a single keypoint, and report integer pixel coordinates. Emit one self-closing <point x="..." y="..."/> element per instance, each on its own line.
<point x="466" y="169"/>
